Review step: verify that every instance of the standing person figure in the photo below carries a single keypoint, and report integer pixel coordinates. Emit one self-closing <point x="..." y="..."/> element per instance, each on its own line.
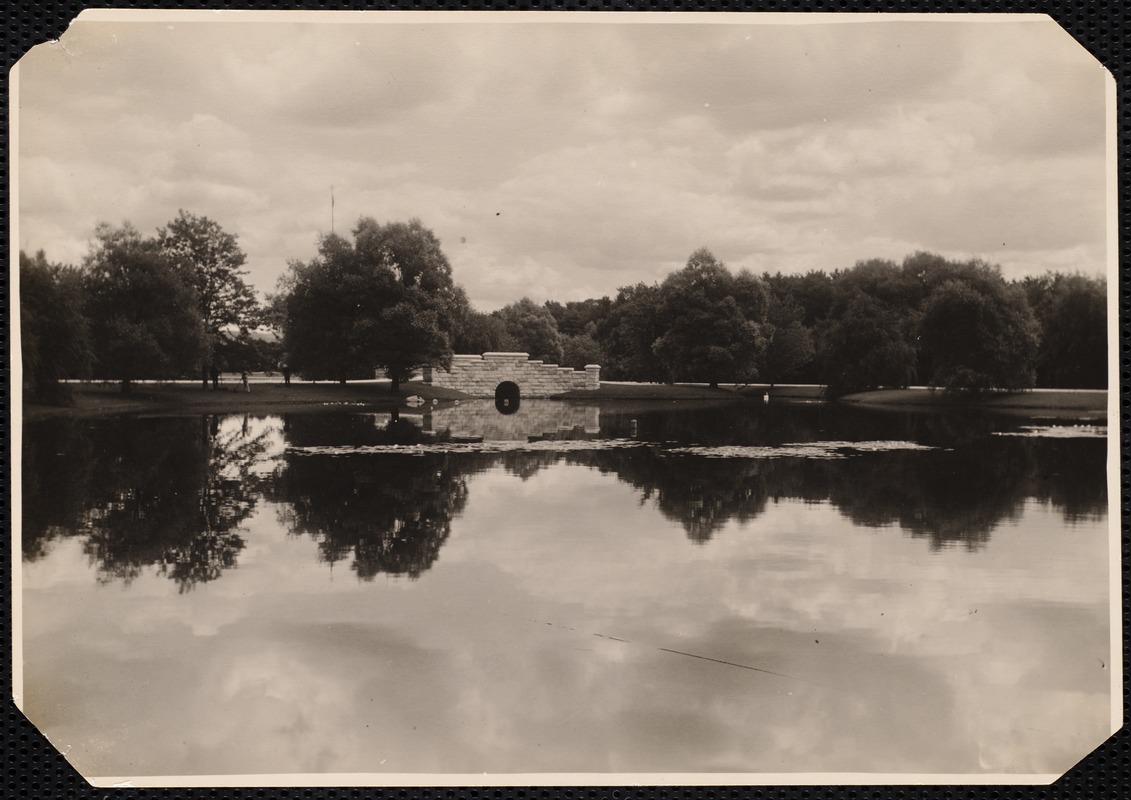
<point x="215" y="372"/>
<point x="286" y="375"/>
<point x="243" y="381"/>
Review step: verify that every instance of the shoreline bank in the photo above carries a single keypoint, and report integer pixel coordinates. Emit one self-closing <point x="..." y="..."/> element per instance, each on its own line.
<point x="268" y="397"/>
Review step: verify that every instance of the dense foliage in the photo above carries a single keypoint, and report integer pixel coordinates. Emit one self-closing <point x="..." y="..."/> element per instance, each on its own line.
<point x="384" y="301"/>
<point x="531" y="329"/>
<point x="714" y="323"/>
<point x="167" y="306"/>
<point x="955" y="325"/>
<point x="209" y="260"/>
<point x="144" y="321"/>
<point x="53" y="329"/>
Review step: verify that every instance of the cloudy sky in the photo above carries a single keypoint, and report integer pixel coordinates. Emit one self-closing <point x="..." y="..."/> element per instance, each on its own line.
<point x="564" y="156"/>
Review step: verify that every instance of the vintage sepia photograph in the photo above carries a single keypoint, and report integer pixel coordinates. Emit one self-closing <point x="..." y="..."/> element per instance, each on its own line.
<point x="563" y="398"/>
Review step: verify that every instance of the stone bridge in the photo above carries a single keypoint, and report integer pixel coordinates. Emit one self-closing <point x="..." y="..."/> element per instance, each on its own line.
<point x="514" y="374"/>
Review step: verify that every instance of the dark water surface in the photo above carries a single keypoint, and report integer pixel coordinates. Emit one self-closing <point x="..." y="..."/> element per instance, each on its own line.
<point x="570" y="588"/>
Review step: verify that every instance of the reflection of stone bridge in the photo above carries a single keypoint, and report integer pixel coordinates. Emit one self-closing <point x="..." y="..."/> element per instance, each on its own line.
<point x="481" y="376"/>
<point x="535" y="419"/>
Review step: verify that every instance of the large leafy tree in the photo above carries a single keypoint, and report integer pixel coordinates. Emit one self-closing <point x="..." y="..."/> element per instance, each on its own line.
<point x="575" y="316"/>
<point x="715" y="322"/>
<point x="144" y="318"/>
<point x="211" y="261"/>
<point x="319" y="303"/>
<point x="478" y="332"/>
<point x="980" y="336"/>
<point x="582" y="349"/>
<point x="53" y="330"/>
<point x="790" y="344"/>
<point x="384" y="301"/>
<point x="866" y="344"/>
<point x="1072" y="312"/>
<point x="814" y="292"/>
<point x="533" y="329"/>
<point x="627" y="333"/>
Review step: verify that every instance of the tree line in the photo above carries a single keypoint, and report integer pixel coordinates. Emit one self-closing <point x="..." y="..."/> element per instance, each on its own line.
<point x="954" y="325"/>
<point x="176" y="304"/>
<point x="171" y="305"/>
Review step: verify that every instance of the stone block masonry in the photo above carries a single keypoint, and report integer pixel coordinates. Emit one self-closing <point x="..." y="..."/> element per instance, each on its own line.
<point x="480" y="376"/>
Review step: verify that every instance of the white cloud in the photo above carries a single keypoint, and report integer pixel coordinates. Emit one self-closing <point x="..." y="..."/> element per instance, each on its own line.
<point x="567" y="160"/>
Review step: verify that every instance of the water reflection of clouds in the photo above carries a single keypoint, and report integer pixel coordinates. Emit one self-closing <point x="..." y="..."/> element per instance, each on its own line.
<point x="942" y="612"/>
<point x="500" y="658"/>
<point x="462" y="673"/>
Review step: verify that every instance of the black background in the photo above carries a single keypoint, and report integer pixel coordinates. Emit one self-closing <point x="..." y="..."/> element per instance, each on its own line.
<point x="32" y="768"/>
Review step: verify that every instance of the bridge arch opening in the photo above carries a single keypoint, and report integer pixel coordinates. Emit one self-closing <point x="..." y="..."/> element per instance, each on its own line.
<point x="507" y="397"/>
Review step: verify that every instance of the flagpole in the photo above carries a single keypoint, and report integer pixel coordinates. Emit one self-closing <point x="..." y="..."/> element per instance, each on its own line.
<point x="331" y="209"/>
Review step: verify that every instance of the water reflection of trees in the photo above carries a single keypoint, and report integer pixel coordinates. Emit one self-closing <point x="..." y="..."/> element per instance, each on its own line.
<point x="953" y="496"/>
<point x="776" y="424"/>
<point x="166" y="493"/>
<point x="57" y="460"/>
<point x="390" y="513"/>
<point x="172" y="494"/>
<point x="701" y="494"/>
<point x="960" y="497"/>
<point x="1071" y="475"/>
<point x="947" y="497"/>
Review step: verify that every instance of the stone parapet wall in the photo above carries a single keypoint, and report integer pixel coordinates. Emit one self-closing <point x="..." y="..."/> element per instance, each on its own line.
<point x="479" y="376"/>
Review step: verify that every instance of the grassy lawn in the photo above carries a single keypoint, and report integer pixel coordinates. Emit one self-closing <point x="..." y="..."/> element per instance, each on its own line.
<point x="269" y="396"/>
<point x="1050" y="400"/>
<point x="265" y="397"/>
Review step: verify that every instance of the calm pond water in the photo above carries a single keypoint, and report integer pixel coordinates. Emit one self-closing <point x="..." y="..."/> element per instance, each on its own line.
<point x="570" y="588"/>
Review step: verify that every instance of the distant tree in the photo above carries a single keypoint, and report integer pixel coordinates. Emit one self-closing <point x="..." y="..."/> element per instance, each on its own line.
<point x="54" y="334"/>
<point x="712" y="334"/>
<point x="752" y="296"/>
<point x="1072" y="313"/>
<point x="866" y="344"/>
<point x="581" y="349"/>
<point x="482" y="333"/>
<point x="533" y="329"/>
<point x="814" y="292"/>
<point x="856" y="353"/>
<point x="144" y="318"/>
<point x="575" y="316"/>
<point x="901" y="287"/>
<point x="321" y="300"/>
<point x="928" y="271"/>
<point x="416" y="325"/>
<point x="980" y="336"/>
<point x="627" y="335"/>
<point x="210" y="260"/>
<point x="410" y="334"/>
<point x="252" y="351"/>
<point x="790" y="344"/>
<point x="384" y="301"/>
